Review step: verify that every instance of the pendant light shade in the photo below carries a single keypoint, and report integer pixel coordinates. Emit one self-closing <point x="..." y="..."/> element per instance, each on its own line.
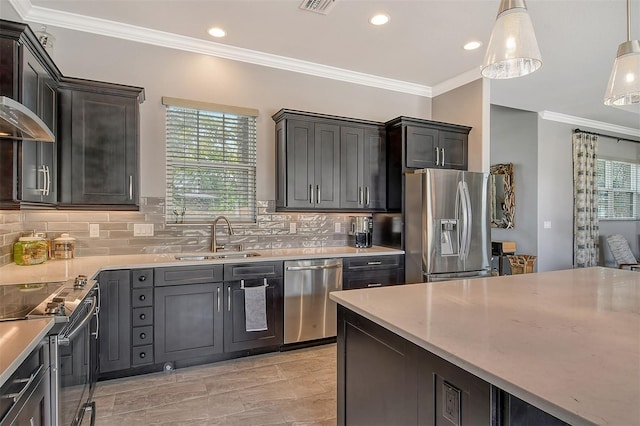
<point x="624" y="82"/>
<point x="513" y="49"/>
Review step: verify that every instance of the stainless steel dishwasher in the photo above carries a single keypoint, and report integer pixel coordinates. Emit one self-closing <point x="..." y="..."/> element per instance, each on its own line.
<point x="308" y="312"/>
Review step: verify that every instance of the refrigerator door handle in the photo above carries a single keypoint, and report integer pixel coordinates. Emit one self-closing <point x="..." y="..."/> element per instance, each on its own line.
<point x="468" y="220"/>
<point x="461" y="213"/>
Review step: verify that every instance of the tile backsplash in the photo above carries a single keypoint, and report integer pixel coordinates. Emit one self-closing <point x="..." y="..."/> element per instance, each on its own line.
<point x="271" y="230"/>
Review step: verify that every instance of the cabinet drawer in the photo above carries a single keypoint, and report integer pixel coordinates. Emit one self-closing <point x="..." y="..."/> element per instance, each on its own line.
<point x="141" y="297"/>
<point x="141" y="278"/>
<point x="142" y="335"/>
<point x="142" y="316"/>
<point x="188" y="275"/>
<point x="142" y="355"/>
<point x="371" y="263"/>
<point x="373" y="279"/>
<point x="243" y="271"/>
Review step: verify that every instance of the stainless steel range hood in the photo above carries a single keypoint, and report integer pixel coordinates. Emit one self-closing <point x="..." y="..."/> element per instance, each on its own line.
<point x="19" y="122"/>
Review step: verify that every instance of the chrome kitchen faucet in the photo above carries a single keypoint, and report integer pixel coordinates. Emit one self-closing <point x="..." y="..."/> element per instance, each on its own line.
<point x="214" y="242"/>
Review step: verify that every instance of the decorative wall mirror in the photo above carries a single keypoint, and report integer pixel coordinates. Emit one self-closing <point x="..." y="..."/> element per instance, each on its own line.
<point x="502" y="196"/>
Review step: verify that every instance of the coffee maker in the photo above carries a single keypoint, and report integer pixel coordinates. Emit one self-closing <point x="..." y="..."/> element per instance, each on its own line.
<point x="362" y="230"/>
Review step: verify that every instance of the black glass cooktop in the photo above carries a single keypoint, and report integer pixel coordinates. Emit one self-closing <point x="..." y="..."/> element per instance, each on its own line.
<point x="17" y="300"/>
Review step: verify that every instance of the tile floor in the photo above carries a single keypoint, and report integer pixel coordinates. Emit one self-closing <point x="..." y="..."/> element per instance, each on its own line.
<point x="285" y="388"/>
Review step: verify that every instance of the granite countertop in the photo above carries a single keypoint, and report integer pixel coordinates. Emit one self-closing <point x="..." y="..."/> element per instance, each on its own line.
<point x="61" y="270"/>
<point x="17" y="340"/>
<point x="567" y="342"/>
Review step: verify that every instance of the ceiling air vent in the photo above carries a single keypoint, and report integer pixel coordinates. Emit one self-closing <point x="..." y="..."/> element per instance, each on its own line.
<point x="318" y="6"/>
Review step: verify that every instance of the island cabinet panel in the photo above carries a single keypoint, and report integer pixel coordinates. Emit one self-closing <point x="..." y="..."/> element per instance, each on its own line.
<point x="115" y="321"/>
<point x="385" y="379"/>
<point x="189" y="321"/>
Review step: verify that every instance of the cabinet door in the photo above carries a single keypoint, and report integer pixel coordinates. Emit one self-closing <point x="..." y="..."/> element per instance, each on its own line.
<point x="188" y="321"/>
<point x="300" y="164"/>
<point x="453" y="150"/>
<point x="103" y="149"/>
<point x="421" y="144"/>
<point x="352" y="146"/>
<point x="236" y="336"/>
<point x="327" y="166"/>
<point x="115" y="321"/>
<point x="374" y="169"/>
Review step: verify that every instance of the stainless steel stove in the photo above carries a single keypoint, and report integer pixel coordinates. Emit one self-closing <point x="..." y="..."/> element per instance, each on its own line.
<point x="74" y="305"/>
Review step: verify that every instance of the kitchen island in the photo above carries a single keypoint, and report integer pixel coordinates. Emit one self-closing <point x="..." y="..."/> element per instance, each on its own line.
<point x="558" y="346"/>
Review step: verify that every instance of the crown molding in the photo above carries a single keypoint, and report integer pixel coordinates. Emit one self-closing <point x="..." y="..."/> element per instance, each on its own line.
<point x="457" y="81"/>
<point x="593" y="124"/>
<point x="108" y="28"/>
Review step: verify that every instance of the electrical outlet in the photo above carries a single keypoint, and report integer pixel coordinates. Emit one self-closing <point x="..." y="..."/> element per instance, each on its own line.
<point x="451" y="403"/>
<point x="337" y="228"/>
<point x="94" y="230"/>
<point x="547" y="224"/>
<point x="143" y="229"/>
<point x="292" y="228"/>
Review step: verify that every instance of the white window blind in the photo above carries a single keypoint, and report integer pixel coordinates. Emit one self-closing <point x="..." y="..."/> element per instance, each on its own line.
<point x="618" y="189"/>
<point x="211" y="163"/>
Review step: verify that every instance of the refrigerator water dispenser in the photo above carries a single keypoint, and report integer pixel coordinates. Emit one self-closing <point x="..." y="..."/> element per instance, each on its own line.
<point x="449" y="242"/>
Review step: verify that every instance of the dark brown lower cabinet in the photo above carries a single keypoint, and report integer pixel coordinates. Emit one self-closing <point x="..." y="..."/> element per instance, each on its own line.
<point x="236" y="336"/>
<point x="114" y="351"/>
<point x="188" y="321"/>
<point x="383" y="379"/>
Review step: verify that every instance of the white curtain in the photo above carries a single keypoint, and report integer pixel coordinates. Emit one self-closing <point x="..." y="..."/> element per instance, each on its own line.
<point x="585" y="200"/>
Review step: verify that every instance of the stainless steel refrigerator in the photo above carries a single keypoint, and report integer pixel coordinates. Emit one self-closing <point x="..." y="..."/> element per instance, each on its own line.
<point x="446" y="225"/>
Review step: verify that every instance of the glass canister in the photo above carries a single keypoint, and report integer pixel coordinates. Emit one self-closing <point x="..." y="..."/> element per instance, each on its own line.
<point x="43" y="235"/>
<point x="64" y="247"/>
<point x="30" y="251"/>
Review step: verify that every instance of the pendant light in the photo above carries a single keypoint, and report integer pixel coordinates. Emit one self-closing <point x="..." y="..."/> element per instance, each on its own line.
<point x="624" y="83"/>
<point x="513" y="50"/>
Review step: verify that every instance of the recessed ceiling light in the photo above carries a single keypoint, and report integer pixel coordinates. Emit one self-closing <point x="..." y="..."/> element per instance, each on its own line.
<point x="217" y="32"/>
<point x="379" y="19"/>
<point x="472" y="45"/>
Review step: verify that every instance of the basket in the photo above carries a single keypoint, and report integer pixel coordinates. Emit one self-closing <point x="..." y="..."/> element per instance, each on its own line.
<point x="522" y="263"/>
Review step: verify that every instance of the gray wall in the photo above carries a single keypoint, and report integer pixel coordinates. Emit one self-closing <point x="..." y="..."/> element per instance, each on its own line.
<point x="514" y="139"/>
<point x="169" y="72"/>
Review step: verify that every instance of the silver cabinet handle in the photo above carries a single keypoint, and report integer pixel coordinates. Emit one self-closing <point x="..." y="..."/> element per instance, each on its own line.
<point x="48" y="175"/>
<point x="374" y="263"/>
<point x="360" y="196"/>
<point x="374" y="285"/>
<point x="130" y="187"/>
<point x="311" y="194"/>
<point x="27" y="381"/>
<point x="229" y="299"/>
<point x="442" y="157"/>
<point x="367" y="196"/>
<point x="42" y="190"/>
<point x="218" y="298"/>
<point x="437" y="156"/>
<point x="317" y="194"/>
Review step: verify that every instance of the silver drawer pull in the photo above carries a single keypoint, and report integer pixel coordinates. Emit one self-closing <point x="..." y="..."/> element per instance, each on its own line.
<point x="374" y="285"/>
<point x="374" y="263"/>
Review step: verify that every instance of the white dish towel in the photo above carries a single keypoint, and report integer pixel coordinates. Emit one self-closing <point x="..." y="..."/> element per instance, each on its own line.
<point x="255" y="308"/>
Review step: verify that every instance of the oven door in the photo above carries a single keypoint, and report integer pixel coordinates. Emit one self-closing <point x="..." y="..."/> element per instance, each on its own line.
<point x="77" y="364"/>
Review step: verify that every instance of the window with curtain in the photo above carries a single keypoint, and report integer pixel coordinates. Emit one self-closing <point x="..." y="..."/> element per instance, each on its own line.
<point x="618" y="189"/>
<point x="211" y="162"/>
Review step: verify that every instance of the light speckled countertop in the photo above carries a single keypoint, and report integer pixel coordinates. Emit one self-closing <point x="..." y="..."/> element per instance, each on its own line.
<point x="18" y="338"/>
<point x="567" y="342"/>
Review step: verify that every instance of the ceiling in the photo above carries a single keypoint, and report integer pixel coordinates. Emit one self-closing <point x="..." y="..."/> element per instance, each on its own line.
<point x="421" y="45"/>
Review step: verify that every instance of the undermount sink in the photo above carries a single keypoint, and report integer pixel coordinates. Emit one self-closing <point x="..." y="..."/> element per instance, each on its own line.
<point x="213" y="256"/>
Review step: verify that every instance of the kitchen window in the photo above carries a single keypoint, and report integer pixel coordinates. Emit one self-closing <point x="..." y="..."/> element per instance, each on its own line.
<point x="211" y="162"/>
<point x="618" y="189"/>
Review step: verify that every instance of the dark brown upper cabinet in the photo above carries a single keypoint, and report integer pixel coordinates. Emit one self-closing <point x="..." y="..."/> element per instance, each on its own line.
<point x="328" y="163"/>
<point x="28" y="169"/>
<point x="98" y="138"/>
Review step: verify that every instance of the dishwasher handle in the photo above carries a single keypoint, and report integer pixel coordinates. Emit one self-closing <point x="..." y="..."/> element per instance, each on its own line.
<point x="313" y="268"/>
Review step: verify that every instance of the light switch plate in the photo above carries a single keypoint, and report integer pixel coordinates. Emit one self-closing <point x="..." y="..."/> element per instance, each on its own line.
<point x="337" y="228"/>
<point x="292" y="228"/>
<point x="143" y="229"/>
<point x="94" y="230"/>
